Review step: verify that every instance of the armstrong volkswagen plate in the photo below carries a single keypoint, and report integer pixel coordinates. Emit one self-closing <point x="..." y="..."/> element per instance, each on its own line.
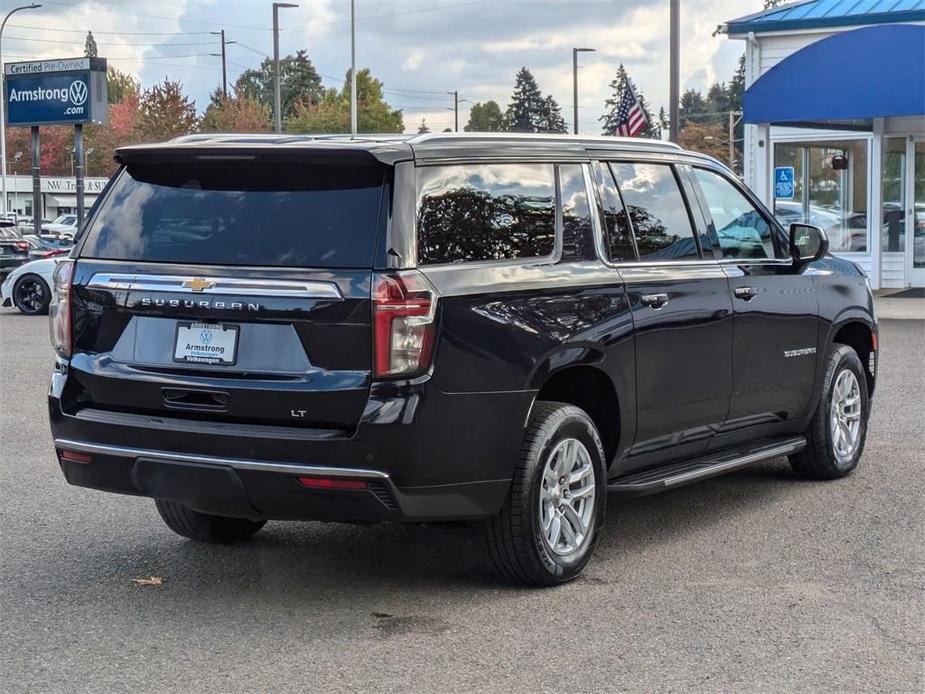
<point x="206" y="343"/>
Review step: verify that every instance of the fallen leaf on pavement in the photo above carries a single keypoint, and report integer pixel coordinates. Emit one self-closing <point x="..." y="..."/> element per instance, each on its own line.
<point x="151" y="581"/>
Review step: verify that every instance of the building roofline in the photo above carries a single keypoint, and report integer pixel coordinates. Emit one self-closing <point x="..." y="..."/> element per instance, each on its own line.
<point x="780" y="18"/>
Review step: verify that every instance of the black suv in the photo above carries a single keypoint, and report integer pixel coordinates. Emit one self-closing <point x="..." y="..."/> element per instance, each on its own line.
<point x="442" y="327"/>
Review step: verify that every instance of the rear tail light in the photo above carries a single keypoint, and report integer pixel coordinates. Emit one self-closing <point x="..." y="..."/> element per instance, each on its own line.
<point x="332" y="483"/>
<point x="404" y="307"/>
<point x="75" y="456"/>
<point x="21" y="245"/>
<point x="59" y="311"/>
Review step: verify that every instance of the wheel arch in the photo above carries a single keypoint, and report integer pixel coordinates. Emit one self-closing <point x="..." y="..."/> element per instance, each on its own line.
<point x="592" y="389"/>
<point x="859" y="332"/>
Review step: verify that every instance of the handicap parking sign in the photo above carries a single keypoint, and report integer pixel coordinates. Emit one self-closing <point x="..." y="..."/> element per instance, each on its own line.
<point x="783" y="182"/>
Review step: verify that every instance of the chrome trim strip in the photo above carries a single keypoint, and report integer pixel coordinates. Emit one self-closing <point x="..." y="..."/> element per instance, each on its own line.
<point x="712" y="470"/>
<point x="236" y="463"/>
<point x="173" y="284"/>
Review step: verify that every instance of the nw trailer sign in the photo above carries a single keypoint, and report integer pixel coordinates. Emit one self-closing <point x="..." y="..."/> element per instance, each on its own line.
<point x="56" y="92"/>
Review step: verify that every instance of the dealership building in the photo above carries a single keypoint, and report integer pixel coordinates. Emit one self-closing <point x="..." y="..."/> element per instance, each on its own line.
<point x="834" y="113"/>
<point x="59" y="194"/>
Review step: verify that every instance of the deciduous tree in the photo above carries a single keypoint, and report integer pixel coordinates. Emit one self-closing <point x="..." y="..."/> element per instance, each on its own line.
<point x="235" y="113"/>
<point x="299" y="83"/>
<point x="485" y="118"/>
<point x="166" y="112"/>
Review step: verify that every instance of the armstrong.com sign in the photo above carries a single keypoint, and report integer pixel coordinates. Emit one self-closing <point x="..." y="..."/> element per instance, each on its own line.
<point x="56" y="91"/>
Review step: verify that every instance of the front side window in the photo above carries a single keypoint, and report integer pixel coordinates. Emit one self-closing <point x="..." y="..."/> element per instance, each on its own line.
<point x="741" y="230"/>
<point x="472" y="212"/>
<point x="657" y="210"/>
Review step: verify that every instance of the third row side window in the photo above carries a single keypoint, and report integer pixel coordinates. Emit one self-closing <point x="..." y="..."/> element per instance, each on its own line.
<point x="657" y="211"/>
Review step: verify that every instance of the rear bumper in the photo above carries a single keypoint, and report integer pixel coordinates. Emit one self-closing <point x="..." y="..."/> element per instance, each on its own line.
<point x="259" y="489"/>
<point x="424" y="454"/>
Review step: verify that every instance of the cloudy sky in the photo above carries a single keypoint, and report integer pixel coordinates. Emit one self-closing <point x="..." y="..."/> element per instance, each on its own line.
<point x="419" y="49"/>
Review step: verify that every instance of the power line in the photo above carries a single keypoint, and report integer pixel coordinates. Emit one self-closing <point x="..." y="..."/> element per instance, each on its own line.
<point x="31" y="39"/>
<point x="107" y="33"/>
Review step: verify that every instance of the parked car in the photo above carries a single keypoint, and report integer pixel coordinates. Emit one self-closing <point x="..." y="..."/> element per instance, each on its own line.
<point x="65" y="224"/>
<point x="14" y="250"/>
<point x="28" y="287"/>
<point x="495" y="328"/>
<point x="47" y="246"/>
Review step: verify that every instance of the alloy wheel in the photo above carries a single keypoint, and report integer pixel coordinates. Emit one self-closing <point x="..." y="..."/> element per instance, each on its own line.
<point x="567" y="498"/>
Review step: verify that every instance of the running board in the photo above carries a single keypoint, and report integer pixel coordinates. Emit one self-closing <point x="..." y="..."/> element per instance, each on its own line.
<point x="686" y="472"/>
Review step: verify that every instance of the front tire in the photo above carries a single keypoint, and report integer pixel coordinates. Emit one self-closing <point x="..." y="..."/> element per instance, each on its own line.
<point x="836" y="435"/>
<point x="31" y="295"/>
<point x="550" y="522"/>
<point x="205" y="527"/>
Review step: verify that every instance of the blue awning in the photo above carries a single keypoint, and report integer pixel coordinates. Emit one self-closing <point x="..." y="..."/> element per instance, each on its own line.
<point x="873" y="72"/>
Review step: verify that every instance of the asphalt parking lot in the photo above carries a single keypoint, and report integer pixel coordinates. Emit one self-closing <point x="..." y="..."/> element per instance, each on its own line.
<point x="756" y="581"/>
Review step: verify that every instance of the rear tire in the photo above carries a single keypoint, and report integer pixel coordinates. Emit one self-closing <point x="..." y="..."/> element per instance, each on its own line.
<point x="205" y="527"/>
<point x="836" y="435"/>
<point x="550" y="522"/>
<point x="31" y="295"/>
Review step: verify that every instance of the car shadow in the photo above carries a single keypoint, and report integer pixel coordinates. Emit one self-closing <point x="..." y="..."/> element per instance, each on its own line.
<point x="291" y="560"/>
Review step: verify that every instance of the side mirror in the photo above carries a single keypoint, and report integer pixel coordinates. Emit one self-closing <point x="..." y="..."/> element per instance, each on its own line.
<point x="807" y="243"/>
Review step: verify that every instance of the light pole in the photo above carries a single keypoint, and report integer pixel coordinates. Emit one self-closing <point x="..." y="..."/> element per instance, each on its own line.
<point x="16" y="158"/>
<point x="575" y="52"/>
<point x="353" y="68"/>
<point x="222" y="56"/>
<point x="278" y="116"/>
<point x="674" y="59"/>
<point x="33" y="6"/>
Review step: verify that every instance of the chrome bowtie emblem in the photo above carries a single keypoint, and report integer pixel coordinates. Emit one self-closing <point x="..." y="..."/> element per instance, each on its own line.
<point x="198" y="284"/>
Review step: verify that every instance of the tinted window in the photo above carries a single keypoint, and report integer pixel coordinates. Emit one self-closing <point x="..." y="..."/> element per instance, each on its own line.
<point x="577" y="233"/>
<point x="241" y="214"/>
<point x="741" y="230"/>
<point x="657" y="210"/>
<point x="485" y="212"/>
<point x="618" y="239"/>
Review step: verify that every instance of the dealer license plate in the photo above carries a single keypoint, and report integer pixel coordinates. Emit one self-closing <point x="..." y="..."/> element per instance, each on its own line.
<point x="206" y="343"/>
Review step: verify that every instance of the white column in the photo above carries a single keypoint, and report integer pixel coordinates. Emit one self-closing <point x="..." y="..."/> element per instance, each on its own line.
<point x="875" y="204"/>
<point x="764" y="161"/>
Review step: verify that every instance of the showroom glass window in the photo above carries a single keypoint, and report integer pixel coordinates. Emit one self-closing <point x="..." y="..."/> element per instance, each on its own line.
<point x="829" y="190"/>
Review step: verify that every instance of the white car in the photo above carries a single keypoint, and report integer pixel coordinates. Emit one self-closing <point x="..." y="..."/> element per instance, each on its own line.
<point x="28" y="287"/>
<point x="64" y="225"/>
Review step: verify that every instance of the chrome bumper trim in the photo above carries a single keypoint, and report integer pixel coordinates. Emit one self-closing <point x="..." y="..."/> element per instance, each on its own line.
<point x="236" y="463"/>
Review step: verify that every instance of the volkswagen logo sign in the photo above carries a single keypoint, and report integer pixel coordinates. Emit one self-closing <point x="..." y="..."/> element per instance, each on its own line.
<point x="77" y="92"/>
<point x="205" y="337"/>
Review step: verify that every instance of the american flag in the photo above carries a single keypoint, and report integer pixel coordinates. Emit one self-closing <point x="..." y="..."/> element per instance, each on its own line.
<point x="630" y="117"/>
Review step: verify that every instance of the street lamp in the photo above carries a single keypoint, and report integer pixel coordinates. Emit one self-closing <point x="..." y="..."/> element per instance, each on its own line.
<point x="276" y="100"/>
<point x="16" y="158"/>
<point x="33" y="6"/>
<point x="575" y="52"/>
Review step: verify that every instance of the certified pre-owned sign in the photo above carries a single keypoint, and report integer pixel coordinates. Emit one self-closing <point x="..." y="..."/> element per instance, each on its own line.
<point x="37" y="94"/>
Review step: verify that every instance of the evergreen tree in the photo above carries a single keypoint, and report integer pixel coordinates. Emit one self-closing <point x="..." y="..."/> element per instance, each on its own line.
<point x="526" y="112"/>
<point x="736" y="87"/>
<point x="663" y="123"/>
<point x="422" y="129"/>
<point x="693" y="107"/>
<point x="718" y="100"/>
<point x="90" y="46"/>
<point x="618" y="86"/>
<point x="552" y="121"/>
<point x="485" y="118"/>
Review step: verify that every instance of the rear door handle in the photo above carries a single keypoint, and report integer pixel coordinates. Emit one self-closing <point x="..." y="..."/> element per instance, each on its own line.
<point x="655" y="301"/>
<point x="746" y="293"/>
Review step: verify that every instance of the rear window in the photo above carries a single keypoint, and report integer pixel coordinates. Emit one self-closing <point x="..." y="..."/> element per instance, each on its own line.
<point x="234" y="213"/>
<point x="486" y="212"/>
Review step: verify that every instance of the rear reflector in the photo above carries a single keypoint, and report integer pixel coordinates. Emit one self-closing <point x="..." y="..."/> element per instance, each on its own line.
<point x="75" y="457"/>
<point x="329" y="483"/>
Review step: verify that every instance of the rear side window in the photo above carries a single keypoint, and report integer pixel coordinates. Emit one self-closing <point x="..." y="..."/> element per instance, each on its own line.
<point x="657" y="210"/>
<point x="741" y="230"/>
<point x="472" y="212"/>
<point x="277" y="214"/>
